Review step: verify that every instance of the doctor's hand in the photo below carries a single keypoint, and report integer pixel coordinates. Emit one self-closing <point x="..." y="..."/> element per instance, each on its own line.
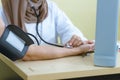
<point x="75" y="41"/>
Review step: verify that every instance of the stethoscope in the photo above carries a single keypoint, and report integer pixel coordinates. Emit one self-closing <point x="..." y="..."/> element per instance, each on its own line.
<point x="37" y="23"/>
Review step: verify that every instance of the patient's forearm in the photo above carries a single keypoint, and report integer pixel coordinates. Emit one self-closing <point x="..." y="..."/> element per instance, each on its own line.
<point x="50" y="52"/>
<point x="45" y="52"/>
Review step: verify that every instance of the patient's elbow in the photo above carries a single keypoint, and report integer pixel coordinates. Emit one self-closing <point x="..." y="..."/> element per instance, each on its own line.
<point x="27" y="57"/>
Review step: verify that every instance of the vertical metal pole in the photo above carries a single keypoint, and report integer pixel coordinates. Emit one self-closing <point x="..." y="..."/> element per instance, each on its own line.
<point x="106" y="33"/>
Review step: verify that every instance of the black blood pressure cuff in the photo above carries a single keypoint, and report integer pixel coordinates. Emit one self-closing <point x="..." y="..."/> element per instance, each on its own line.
<point x="14" y="42"/>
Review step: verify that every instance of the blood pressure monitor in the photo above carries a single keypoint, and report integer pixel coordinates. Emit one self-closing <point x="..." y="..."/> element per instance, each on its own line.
<point x="14" y="42"/>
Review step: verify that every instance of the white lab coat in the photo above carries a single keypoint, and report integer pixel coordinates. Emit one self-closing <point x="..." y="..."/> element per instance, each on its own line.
<point x="56" y="24"/>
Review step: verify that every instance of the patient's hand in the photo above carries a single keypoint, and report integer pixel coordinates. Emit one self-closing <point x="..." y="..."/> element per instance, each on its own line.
<point x="85" y="48"/>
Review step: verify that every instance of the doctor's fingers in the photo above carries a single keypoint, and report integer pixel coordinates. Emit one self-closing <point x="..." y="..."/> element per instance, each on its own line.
<point x="75" y="41"/>
<point x="89" y="42"/>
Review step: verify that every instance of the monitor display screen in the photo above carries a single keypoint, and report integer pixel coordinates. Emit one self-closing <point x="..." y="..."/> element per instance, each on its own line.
<point x="15" y="41"/>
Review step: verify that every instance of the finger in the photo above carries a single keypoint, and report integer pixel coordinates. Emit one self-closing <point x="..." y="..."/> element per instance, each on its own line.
<point x="77" y="43"/>
<point x="68" y="46"/>
<point x="89" y="42"/>
<point x="92" y="47"/>
<point x="72" y="40"/>
<point x="85" y="48"/>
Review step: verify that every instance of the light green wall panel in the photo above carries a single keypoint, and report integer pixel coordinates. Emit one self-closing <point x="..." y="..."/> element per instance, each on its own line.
<point x="83" y="15"/>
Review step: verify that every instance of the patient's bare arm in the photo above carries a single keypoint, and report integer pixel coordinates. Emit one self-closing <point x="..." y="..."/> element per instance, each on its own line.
<point x="36" y="52"/>
<point x="51" y="52"/>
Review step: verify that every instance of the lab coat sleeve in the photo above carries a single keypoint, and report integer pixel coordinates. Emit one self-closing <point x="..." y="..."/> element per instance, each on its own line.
<point x="65" y="27"/>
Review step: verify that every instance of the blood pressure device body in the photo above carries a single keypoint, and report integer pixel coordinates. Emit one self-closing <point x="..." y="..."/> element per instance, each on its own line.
<point x="14" y="42"/>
